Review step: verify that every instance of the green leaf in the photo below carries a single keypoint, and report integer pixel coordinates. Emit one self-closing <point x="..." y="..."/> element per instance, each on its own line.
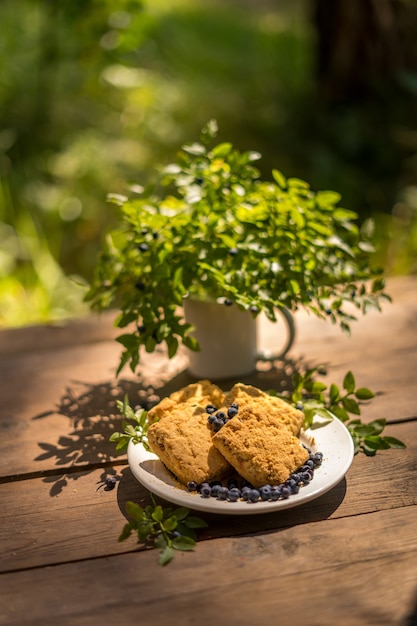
<point x="349" y="382"/>
<point x="186" y="531"/>
<point x="183" y="543"/>
<point x="115" y="436"/>
<point x="126" y="532"/>
<point x="392" y="442"/>
<point x="181" y="513"/>
<point x="166" y="555"/>
<point x="170" y="523"/>
<point x="363" y="393"/>
<point x="191" y="343"/>
<point x="368" y="450"/>
<point x="351" y="406"/>
<point x="195" y="522"/>
<point x="221" y="150"/>
<point x="376" y="442"/>
<point x="378" y="425"/>
<point x="334" y="393"/>
<point x="279" y="178"/>
<point x="324" y="413"/>
<point x="340" y="413"/>
<point x="362" y="430"/>
<point x="318" y="387"/>
<point x="158" y="514"/>
<point x="172" y="343"/>
<point x="135" y="511"/>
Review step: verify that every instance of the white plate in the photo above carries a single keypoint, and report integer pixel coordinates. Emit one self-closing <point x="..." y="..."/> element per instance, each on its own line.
<point x="332" y="439"/>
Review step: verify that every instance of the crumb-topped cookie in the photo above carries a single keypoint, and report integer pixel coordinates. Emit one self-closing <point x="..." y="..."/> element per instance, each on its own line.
<point x="260" y="447"/>
<point x="247" y="396"/>
<point x="183" y="442"/>
<point x="198" y="395"/>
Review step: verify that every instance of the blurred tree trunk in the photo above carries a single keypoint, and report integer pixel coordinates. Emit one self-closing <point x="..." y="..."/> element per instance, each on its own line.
<point x="364" y="46"/>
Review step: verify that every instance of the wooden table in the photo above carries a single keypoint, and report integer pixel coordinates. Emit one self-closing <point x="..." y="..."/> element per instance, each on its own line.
<point x="347" y="558"/>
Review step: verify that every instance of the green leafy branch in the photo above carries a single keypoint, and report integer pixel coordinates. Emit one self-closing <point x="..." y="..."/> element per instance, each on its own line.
<point x="135" y="426"/>
<point x="316" y="398"/>
<point x="160" y="527"/>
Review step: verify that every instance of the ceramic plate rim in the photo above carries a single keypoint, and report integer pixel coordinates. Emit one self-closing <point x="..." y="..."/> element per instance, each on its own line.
<point x="332" y="439"/>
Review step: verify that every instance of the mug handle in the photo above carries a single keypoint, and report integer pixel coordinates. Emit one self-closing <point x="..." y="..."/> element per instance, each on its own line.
<point x="267" y="355"/>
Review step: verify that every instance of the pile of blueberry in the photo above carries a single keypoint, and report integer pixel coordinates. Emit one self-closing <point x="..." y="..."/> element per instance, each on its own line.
<point x="217" y="419"/>
<point x="239" y="489"/>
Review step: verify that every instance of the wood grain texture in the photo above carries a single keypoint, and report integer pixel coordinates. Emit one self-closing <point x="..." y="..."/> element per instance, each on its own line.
<point x="339" y="571"/>
<point x="37" y="529"/>
<point x="347" y="558"/>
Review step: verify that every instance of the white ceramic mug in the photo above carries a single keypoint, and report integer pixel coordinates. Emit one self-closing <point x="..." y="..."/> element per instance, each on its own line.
<point x="228" y="339"/>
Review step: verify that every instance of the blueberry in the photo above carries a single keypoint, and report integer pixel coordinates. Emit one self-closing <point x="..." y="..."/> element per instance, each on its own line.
<point x="211" y="419"/>
<point x="192" y="485"/>
<point x="245" y="493"/>
<point x="232" y="411"/>
<point x="205" y="490"/>
<point x="292" y="485"/>
<point x="210" y="409"/>
<point x="232" y="483"/>
<point x="285" y="492"/>
<point x="317" y="458"/>
<point x="305" y="478"/>
<point x="234" y="405"/>
<point x="143" y="247"/>
<point x="222" y="493"/>
<point x="275" y="493"/>
<point x="110" y="482"/>
<point x="254" y="309"/>
<point x="221" y="415"/>
<point x="265" y="492"/>
<point x="253" y="495"/>
<point x="309" y="463"/>
<point x="227" y="302"/>
<point x="215" y="490"/>
<point x="217" y="424"/>
<point x="233" y="494"/>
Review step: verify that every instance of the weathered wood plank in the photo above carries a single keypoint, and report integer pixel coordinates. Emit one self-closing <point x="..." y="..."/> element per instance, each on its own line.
<point x="339" y="571"/>
<point x="66" y="517"/>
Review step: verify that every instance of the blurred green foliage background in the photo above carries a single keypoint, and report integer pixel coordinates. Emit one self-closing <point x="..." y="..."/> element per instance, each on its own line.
<point x="95" y="94"/>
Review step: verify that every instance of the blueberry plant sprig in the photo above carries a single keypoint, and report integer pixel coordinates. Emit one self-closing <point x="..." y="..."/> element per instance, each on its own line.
<point x="134" y="425"/>
<point x="160" y="527"/>
<point x="315" y="397"/>
<point x="211" y="228"/>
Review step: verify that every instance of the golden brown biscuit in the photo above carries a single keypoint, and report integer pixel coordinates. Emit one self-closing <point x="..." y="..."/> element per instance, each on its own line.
<point x="247" y="396"/>
<point x="183" y="442"/>
<point x="198" y="395"/>
<point x="260" y="447"/>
